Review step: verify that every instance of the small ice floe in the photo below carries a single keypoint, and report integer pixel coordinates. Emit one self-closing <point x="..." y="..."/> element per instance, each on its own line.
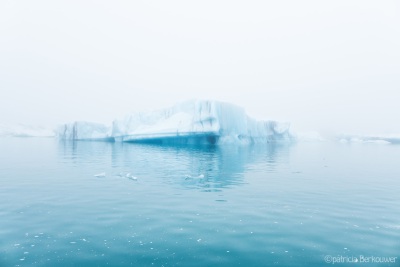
<point x="131" y="177"/>
<point x="102" y="174"/>
<point x="201" y="176"/>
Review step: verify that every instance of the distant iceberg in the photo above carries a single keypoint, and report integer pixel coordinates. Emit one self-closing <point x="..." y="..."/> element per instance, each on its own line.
<point x="21" y="130"/>
<point x="375" y="139"/>
<point x="190" y="122"/>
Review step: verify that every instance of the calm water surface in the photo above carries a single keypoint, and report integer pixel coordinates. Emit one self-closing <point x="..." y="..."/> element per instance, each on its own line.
<point x="197" y="206"/>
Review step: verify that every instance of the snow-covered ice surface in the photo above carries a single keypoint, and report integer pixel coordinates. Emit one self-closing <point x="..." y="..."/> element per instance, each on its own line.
<point x="21" y="130"/>
<point x="190" y="122"/>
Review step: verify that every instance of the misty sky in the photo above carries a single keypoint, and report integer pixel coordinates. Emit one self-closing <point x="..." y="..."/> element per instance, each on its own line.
<point x="321" y="65"/>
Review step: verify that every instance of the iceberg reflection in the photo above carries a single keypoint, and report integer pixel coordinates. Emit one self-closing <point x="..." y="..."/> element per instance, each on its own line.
<point x="201" y="167"/>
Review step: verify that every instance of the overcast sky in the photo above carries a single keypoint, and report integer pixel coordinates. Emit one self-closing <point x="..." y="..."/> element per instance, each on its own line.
<point x="321" y="65"/>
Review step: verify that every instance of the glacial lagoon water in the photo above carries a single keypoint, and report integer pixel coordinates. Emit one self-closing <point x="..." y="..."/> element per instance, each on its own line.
<point x="305" y="204"/>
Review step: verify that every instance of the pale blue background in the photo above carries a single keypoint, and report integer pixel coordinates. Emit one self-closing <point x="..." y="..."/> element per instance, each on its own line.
<point x="322" y="65"/>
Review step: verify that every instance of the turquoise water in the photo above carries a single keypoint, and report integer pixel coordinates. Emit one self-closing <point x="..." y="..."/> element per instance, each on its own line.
<point x="197" y="206"/>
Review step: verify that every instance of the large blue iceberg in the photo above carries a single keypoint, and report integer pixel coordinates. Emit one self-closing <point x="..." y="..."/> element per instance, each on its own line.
<point x="190" y="122"/>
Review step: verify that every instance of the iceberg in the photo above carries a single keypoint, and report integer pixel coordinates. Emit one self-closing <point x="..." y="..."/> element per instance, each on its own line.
<point x="22" y="130"/>
<point x="190" y="122"/>
<point x="373" y="139"/>
<point x="81" y="130"/>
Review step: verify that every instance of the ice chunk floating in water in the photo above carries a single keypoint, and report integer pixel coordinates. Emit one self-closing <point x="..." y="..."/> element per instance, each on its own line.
<point x="130" y="176"/>
<point x="201" y="176"/>
<point x="190" y="122"/>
